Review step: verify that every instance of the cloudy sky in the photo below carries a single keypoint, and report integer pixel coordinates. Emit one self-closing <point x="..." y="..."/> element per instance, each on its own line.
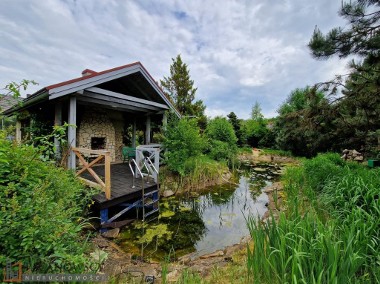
<point x="238" y="52"/>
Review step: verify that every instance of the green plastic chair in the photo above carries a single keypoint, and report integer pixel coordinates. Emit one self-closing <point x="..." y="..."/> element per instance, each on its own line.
<point x="128" y="153"/>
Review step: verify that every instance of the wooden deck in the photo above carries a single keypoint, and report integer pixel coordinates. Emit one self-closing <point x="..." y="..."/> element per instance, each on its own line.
<point x="121" y="186"/>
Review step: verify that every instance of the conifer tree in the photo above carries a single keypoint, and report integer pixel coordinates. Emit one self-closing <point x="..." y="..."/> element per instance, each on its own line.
<point x="180" y="88"/>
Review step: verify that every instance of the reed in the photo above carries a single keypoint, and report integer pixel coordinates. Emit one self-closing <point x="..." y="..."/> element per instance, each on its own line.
<point x="330" y="231"/>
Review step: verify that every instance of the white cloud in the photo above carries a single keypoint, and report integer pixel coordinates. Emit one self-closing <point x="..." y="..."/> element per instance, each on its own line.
<point x="238" y="52"/>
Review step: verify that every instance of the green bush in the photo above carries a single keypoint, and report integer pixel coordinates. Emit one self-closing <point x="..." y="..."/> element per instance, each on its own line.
<point x="41" y="209"/>
<point x="220" y="129"/>
<point x="220" y="151"/>
<point x="182" y="141"/>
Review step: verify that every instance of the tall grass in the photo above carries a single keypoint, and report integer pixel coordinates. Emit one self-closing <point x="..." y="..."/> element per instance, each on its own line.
<point x="331" y="229"/>
<point x="199" y="172"/>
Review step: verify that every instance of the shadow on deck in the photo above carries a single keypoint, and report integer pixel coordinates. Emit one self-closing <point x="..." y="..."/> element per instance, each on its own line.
<point x="121" y="186"/>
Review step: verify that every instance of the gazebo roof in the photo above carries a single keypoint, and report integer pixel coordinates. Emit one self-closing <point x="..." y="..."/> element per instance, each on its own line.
<point x="128" y="87"/>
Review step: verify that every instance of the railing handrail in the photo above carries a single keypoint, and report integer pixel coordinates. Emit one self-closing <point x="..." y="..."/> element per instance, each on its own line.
<point x="133" y="161"/>
<point x="151" y="164"/>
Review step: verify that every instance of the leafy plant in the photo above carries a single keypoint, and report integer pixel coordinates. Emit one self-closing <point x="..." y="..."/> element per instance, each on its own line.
<point x="182" y="141"/>
<point x="41" y="209"/>
<point x="46" y="143"/>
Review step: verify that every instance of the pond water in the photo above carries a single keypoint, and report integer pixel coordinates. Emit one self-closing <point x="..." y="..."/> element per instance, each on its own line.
<point x="203" y="223"/>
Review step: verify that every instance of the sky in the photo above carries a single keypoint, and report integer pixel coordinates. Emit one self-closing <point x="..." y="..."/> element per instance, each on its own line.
<point x="238" y="52"/>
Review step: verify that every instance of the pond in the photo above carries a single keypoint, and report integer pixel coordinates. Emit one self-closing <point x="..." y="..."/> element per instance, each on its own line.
<point x="204" y="222"/>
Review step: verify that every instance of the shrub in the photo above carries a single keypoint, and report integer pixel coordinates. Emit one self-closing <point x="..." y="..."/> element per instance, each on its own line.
<point x="40" y="212"/>
<point x="220" y="129"/>
<point x="220" y="151"/>
<point x="182" y="141"/>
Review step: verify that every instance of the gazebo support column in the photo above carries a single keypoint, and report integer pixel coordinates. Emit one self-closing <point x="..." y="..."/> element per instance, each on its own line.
<point x="57" y="122"/>
<point x="18" y="131"/>
<point x="147" y="130"/>
<point x="164" y="120"/>
<point x="72" y="136"/>
<point x="134" y="133"/>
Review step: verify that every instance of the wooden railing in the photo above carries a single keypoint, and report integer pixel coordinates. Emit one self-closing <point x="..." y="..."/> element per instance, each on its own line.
<point x="98" y="155"/>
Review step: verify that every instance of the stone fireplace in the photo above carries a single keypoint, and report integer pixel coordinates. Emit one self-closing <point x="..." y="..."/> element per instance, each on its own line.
<point x="98" y="143"/>
<point x="97" y="130"/>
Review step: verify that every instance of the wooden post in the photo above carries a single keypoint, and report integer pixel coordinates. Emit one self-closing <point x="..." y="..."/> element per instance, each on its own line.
<point x="72" y="136"/>
<point x="107" y="178"/>
<point x="103" y="218"/>
<point x="164" y="120"/>
<point x="147" y="130"/>
<point x="18" y="131"/>
<point x="134" y="133"/>
<point x="57" y="122"/>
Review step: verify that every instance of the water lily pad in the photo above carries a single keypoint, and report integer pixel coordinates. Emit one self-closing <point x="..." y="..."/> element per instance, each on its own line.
<point x="184" y="209"/>
<point x="167" y="214"/>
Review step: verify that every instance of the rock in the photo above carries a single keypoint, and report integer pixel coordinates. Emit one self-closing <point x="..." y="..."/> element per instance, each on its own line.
<point x="167" y="193"/>
<point x="269" y="190"/>
<point x="359" y="158"/>
<point x="345" y="151"/>
<point x="173" y="276"/>
<point x="111" y="234"/>
<point x="259" y="169"/>
<point x="355" y="153"/>
<point x="214" y="254"/>
<point x="230" y="250"/>
<point x="344" y="157"/>
<point x="184" y="259"/>
<point x="245" y="239"/>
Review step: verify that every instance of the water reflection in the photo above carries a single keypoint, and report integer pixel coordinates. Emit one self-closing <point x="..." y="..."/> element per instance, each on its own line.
<point x="213" y="220"/>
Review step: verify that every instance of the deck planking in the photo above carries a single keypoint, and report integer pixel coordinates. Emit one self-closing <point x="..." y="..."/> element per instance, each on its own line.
<point x="121" y="185"/>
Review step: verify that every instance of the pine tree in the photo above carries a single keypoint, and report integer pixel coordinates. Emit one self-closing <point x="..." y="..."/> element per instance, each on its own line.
<point x="256" y="112"/>
<point x="180" y="88"/>
<point x="361" y="38"/>
<point x="358" y="110"/>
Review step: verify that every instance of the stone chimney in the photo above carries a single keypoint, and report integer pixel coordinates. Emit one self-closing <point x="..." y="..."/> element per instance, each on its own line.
<point x="88" y="72"/>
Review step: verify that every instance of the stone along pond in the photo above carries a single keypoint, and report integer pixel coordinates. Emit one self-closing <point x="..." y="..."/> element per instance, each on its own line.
<point x="204" y="222"/>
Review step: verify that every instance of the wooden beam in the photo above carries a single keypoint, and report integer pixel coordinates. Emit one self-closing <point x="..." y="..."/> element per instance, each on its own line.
<point x="91" y="171"/>
<point x="109" y="104"/>
<point x="112" y="107"/>
<point x="107" y="175"/>
<point x="89" y="165"/>
<point x="90" y="183"/>
<point x="106" y="98"/>
<point x="90" y="151"/>
<point x="93" y="81"/>
<point x="126" y="97"/>
<point x="57" y="122"/>
<point x="147" y="130"/>
<point x="134" y="133"/>
<point x="72" y="136"/>
<point x="18" y="131"/>
<point x="164" y="121"/>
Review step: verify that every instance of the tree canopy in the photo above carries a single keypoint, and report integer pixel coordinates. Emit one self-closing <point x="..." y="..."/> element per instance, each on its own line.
<point x="357" y="109"/>
<point x="361" y="38"/>
<point x="180" y="89"/>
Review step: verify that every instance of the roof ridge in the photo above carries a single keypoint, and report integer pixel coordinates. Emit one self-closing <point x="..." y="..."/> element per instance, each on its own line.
<point x="93" y="74"/>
